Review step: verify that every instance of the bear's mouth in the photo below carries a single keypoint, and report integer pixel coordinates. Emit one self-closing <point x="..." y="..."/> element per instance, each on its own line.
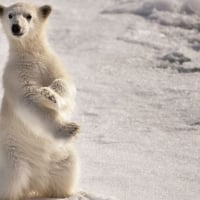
<point x="18" y="34"/>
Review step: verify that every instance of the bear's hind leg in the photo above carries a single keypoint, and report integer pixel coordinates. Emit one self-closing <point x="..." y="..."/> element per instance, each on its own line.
<point x="14" y="182"/>
<point x="63" y="174"/>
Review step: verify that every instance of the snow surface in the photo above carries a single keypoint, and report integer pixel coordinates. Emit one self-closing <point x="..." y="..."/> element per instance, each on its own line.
<point x="136" y="64"/>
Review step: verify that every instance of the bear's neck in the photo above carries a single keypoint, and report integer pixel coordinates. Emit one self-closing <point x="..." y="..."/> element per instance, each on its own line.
<point x="28" y="46"/>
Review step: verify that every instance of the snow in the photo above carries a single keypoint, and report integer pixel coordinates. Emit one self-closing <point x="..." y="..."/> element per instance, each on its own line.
<point x="139" y="112"/>
<point x="191" y="7"/>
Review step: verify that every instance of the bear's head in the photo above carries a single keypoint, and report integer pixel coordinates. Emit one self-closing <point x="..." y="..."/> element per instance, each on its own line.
<point x="22" y="19"/>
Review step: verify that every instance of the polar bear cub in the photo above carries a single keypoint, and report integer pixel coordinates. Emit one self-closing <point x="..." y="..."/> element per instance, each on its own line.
<point x="37" y="95"/>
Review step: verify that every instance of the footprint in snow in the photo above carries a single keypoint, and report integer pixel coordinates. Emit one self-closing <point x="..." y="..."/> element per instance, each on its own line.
<point x="176" y="57"/>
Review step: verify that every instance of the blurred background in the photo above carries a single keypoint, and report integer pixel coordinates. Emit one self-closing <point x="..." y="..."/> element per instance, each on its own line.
<point x="136" y="66"/>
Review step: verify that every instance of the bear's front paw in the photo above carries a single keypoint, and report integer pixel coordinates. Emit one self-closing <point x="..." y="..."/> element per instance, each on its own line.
<point x="67" y="130"/>
<point x="47" y="93"/>
<point x="58" y="86"/>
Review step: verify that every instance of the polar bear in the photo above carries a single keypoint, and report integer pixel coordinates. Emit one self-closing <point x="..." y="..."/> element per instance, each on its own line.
<point x="37" y="155"/>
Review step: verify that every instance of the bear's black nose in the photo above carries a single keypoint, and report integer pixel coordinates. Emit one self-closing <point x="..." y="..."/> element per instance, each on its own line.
<point x="16" y="29"/>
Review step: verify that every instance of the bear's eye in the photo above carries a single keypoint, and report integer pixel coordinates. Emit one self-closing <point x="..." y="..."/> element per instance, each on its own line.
<point x="10" y="16"/>
<point x="28" y="17"/>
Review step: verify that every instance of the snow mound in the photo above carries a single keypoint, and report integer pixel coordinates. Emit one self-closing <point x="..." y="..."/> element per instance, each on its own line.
<point x="144" y="9"/>
<point x="176" y="20"/>
<point x="149" y="7"/>
<point x="184" y="15"/>
<point x="191" y="7"/>
<point x="187" y="7"/>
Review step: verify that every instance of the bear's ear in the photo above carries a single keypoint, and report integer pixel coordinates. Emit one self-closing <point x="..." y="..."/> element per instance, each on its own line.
<point x="45" y="11"/>
<point x="1" y="10"/>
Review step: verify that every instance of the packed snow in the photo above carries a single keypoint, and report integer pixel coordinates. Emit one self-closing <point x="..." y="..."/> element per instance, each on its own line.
<point x="136" y="65"/>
